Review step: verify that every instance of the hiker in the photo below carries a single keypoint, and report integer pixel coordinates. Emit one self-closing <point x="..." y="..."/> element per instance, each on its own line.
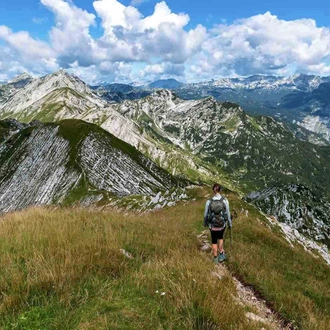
<point x="216" y="216"/>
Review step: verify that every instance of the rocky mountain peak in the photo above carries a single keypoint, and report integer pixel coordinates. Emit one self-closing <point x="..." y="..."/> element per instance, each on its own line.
<point x="64" y="78"/>
<point x="164" y="95"/>
<point x="23" y="76"/>
<point x="61" y="72"/>
<point x="56" y="91"/>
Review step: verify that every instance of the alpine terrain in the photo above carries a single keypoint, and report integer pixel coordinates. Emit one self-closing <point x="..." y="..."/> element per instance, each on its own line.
<point x="164" y="165"/>
<point x="301" y="100"/>
<point x="198" y="140"/>
<point x="71" y="161"/>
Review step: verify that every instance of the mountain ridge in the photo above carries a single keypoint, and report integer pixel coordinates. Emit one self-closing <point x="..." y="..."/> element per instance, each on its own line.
<point x="265" y="95"/>
<point x="201" y="140"/>
<point x="71" y="161"/>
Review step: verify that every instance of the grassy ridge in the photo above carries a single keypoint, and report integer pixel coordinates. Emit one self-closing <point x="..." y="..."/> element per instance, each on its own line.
<point x="62" y="269"/>
<point x="297" y="284"/>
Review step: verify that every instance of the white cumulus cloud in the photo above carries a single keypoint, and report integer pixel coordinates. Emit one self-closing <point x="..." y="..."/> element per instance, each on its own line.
<point x="70" y="37"/>
<point x="129" y="36"/>
<point x="134" y="46"/>
<point x="22" y="50"/>
<point x="162" y="70"/>
<point x="265" y="44"/>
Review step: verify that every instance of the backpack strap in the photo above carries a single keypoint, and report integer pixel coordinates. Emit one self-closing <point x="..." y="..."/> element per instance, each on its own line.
<point x="209" y="207"/>
<point x="208" y="215"/>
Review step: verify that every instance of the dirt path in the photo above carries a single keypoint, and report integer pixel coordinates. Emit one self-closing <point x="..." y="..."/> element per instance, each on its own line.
<point x="259" y="311"/>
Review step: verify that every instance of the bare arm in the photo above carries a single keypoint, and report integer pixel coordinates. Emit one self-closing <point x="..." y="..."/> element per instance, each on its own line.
<point x="228" y="212"/>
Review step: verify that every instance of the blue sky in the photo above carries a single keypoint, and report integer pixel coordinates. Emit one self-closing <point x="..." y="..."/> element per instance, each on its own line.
<point x="190" y="40"/>
<point x="18" y="14"/>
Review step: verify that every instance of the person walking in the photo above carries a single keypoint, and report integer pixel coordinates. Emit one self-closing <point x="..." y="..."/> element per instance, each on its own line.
<point x="216" y="216"/>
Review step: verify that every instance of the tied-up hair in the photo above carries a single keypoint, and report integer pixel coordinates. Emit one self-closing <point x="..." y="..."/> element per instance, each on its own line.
<point x="216" y="188"/>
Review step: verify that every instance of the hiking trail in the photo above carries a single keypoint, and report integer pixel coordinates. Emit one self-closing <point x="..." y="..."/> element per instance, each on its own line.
<point x="245" y="294"/>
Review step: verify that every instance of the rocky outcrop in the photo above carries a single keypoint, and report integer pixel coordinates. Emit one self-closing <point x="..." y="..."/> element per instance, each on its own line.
<point x="70" y="162"/>
<point x="298" y="207"/>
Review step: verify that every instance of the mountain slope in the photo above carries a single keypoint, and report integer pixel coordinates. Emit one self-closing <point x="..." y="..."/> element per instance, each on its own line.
<point x="9" y="89"/>
<point x="119" y="92"/>
<point x="157" y="123"/>
<point x="42" y="164"/>
<point x="202" y="140"/>
<point x="74" y="269"/>
<point x="314" y="108"/>
<point x="61" y="96"/>
<point x="299" y="207"/>
<point x="59" y="91"/>
<point x="258" y="151"/>
<point x="292" y="99"/>
<point x="301" y="99"/>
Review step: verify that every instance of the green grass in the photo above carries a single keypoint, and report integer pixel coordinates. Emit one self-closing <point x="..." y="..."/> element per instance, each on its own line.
<point x="296" y="283"/>
<point x="254" y="123"/>
<point x="62" y="269"/>
<point x="231" y="124"/>
<point x="49" y="108"/>
<point x="47" y="113"/>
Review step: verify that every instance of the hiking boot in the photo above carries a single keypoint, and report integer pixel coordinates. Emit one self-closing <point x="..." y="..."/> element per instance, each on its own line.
<point x="216" y="260"/>
<point x="222" y="257"/>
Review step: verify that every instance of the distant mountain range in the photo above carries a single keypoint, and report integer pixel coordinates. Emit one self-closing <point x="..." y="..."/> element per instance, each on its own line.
<point x="301" y="99"/>
<point x="120" y="92"/>
<point x="177" y="140"/>
<point x="166" y="84"/>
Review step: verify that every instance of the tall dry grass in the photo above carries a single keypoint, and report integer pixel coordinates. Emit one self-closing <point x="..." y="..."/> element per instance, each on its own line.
<point x="296" y="283"/>
<point x="63" y="269"/>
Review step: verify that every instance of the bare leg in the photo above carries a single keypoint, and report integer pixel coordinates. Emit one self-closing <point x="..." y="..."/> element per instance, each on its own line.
<point x="215" y="250"/>
<point x="220" y="243"/>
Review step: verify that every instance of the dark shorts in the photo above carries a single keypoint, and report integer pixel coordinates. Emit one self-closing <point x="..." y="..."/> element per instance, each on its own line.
<point x="216" y="234"/>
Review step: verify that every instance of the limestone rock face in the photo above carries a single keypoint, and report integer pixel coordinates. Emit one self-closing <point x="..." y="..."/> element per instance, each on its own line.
<point x="297" y="206"/>
<point x="71" y="161"/>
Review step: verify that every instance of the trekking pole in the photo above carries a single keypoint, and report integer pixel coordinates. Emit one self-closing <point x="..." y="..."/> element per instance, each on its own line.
<point x="231" y="236"/>
<point x="233" y="216"/>
<point x="226" y="235"/>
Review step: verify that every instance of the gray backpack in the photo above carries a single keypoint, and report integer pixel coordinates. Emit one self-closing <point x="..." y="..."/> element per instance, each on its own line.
<point x="217" y="213"/>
